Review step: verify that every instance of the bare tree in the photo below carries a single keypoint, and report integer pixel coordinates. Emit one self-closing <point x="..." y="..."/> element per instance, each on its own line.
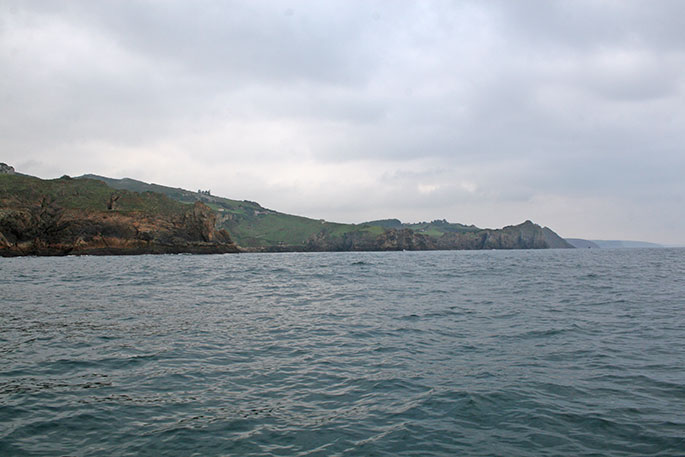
<point x="112" y="199"/>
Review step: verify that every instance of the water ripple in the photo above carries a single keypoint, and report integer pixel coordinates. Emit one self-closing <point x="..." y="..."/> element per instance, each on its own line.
<point x="425" y="353"/>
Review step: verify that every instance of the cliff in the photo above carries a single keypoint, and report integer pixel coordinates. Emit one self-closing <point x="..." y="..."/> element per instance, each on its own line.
<point x="81" y="216"/>
<point x="256" y="228"/>
<point x="523" y="236"/>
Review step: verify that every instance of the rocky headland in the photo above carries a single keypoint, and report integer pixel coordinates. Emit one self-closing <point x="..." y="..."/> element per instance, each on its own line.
<point x="523" y="236"/>
<point x="99" y="215"/>
<point x="81" y="216"/>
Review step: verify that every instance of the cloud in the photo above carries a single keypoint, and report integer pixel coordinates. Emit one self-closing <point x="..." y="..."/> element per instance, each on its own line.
<point x="487" y="113"/>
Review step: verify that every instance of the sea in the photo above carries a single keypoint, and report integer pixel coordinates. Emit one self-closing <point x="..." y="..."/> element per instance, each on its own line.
<point x="442" y="353"/>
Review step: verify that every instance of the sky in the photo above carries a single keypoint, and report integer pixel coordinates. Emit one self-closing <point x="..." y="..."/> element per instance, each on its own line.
<point x="567" y="113"/>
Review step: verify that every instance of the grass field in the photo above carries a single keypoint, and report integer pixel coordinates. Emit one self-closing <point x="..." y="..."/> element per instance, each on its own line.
<point x="86" y="194"/>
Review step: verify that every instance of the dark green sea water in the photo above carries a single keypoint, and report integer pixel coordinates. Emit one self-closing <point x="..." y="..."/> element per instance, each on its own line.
<point x="512" y="353"/>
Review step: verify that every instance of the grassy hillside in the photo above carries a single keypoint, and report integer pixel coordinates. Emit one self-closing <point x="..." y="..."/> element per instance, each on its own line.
<point x="249" y="224"/>
<point x="252" y="226"/>
<point x="19" y="191"/>
<point x="435" y="228"/>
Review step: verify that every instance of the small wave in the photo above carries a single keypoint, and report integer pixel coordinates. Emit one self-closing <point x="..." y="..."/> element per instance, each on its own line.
<point x="544" y="333"/>
<point x="319" y="354"/>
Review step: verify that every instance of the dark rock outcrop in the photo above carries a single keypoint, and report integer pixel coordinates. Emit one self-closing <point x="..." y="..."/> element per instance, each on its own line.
<point x="61" y="232"/>
<point x="389" y="240"/>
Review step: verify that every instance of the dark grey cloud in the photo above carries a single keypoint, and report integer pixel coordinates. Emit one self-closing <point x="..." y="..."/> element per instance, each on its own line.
<point x="566" y="112"/>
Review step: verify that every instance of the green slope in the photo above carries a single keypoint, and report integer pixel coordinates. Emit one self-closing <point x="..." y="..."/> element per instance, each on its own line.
<point x="250" y="225"/>
<point x="254" y="227"/>
<point x="84" y="194"/>
<point x="435" y="228"/>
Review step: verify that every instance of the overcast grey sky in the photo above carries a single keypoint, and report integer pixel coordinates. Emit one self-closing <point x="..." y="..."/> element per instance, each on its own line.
<point x="568" y="113"/>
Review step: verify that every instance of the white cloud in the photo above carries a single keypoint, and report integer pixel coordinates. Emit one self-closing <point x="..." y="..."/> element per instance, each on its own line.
<point x="427" y="188"/>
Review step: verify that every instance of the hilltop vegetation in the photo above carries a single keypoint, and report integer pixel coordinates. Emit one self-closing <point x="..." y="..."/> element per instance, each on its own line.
<point x="434" y="228"/>
<point x="82" y="194"/>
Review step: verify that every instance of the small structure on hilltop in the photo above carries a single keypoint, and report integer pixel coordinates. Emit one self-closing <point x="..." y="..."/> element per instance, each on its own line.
<point x="6" y="169"/>
<point x="203" y="192"/>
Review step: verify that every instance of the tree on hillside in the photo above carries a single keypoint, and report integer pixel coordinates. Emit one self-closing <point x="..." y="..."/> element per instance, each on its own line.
<point x="112" y="199"/>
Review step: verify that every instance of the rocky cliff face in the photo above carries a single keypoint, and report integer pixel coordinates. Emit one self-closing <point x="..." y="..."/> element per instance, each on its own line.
<point x="523" y="236"/>
<point x="52" y="231"/>
<point x="389" y="240"/>
<point x="51" y="224"/>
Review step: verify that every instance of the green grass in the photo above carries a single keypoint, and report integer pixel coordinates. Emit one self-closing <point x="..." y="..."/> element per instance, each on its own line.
<point x="251" y="225"/>
<point x="84" y="194"/>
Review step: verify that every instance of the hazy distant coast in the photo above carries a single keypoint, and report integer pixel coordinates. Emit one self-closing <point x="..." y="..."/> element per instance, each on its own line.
<point x="610" y="244"/>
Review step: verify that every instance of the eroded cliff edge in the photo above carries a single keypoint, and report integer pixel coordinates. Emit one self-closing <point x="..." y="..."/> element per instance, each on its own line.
<point x="82" y="216"/>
